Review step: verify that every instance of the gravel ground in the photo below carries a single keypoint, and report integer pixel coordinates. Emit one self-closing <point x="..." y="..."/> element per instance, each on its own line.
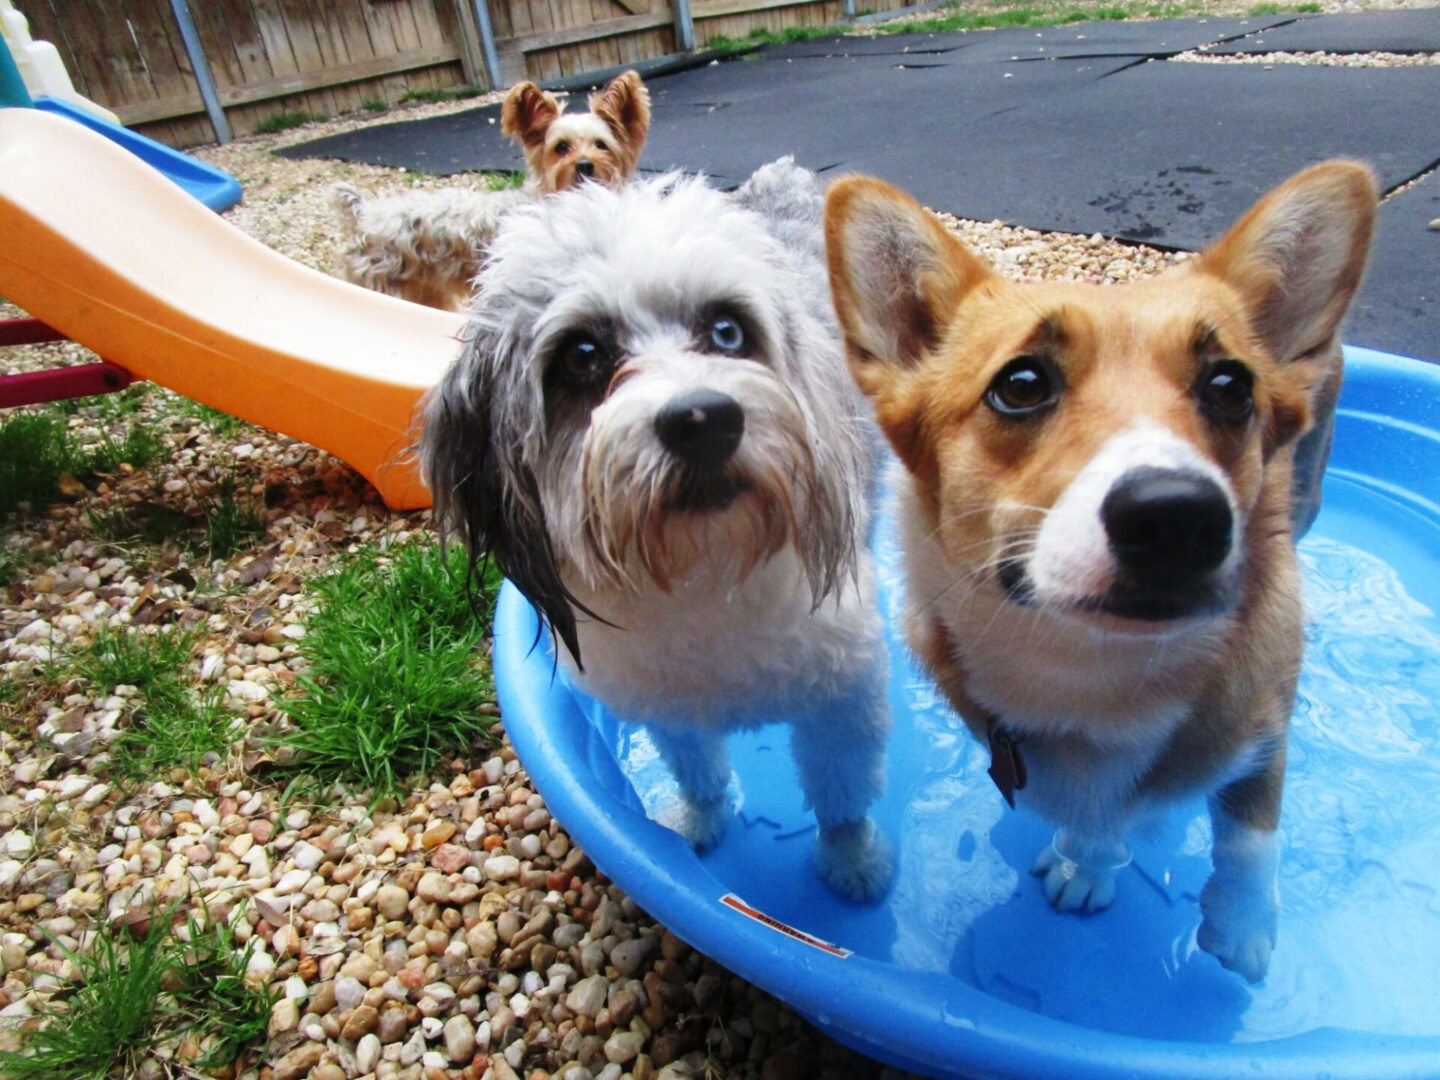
<point x="455" y="934"/>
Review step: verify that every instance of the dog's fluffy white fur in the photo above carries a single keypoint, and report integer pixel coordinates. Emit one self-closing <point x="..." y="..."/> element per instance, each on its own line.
<point x="426" y="245"/>
<point x="652" y="433"/>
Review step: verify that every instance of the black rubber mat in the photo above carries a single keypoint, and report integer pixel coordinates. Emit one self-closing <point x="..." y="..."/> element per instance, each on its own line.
<point x="1398" y="309"/>
<point x="1167" y="153"/>
<point x="444" y="145"/>
<point x="1164" y="152"/>
<point x="1402" y="31"/>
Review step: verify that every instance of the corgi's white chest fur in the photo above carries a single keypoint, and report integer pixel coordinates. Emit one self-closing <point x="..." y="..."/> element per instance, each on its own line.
<point x="722" y="654"/>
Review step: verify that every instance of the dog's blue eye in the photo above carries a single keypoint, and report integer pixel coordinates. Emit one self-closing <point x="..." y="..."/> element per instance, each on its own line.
<point x="1227" y="391"/>
<point x="727" y="335"/>
<point x="1024" y="387"/>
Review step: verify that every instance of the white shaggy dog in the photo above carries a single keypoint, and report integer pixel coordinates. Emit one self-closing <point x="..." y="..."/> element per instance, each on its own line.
<point x="652" y="433"/>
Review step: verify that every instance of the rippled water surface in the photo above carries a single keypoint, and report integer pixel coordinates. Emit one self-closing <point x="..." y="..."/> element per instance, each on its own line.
<point x="1360" y="873"/>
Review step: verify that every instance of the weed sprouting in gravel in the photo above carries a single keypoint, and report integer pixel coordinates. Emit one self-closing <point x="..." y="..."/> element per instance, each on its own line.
<point x="284" y="121"/>
<point x="395" y="680"/>
<point x="38" y="450"/>
<point x="175" y="723"/>
<point x="137" y="989"/>
<point x="230" y="525"/>
<point x="35" y="451"/>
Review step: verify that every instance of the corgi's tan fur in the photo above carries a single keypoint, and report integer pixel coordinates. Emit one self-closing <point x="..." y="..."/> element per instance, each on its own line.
<point x="1096" y="515"/>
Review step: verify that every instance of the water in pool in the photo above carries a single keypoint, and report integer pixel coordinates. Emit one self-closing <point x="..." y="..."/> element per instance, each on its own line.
<point x="1359" y="940"/>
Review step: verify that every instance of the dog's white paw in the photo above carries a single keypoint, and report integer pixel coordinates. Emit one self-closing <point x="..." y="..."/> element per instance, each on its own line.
<point x="703" y="822"/>
<point x="1085" y="882"/>
<point x="855" y="860"/>
<point x="1239" y="926"/>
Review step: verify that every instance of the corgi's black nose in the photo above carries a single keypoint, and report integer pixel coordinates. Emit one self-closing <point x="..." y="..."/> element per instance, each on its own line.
<point x="1167" y="522"/>
<point x="702" y="426"/>
<point x="585" y="167"/>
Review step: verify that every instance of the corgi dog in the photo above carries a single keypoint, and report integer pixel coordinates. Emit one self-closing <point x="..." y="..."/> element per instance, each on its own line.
<point x="1096" y="515"/>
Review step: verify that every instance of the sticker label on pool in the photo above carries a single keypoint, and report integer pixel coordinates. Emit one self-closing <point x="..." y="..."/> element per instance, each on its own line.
<point x="734" y="902"/>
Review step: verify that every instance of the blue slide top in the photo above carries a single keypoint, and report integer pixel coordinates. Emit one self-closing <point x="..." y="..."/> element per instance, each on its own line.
<point x="214" y="187"/>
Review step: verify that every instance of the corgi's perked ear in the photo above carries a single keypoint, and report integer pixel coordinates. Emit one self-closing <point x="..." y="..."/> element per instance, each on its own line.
<point x="1296" y="258"/>
<point x="897" y="275"/>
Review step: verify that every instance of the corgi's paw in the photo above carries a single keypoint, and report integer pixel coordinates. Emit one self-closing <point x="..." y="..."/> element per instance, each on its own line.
<point x="855" y="860"/>
<point x="1078" y="874"/>
<point x="1072" y="887"/>
<point x="1239" y="925"/>
<point x="703" y="821"/>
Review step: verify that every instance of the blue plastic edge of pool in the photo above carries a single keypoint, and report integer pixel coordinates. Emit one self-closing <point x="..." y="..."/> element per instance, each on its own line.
<point x="894" y="1015"/>
<point x="214" y="187"/>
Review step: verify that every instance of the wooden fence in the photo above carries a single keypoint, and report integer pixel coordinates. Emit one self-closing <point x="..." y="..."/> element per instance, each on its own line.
<point x="328" y="57"/>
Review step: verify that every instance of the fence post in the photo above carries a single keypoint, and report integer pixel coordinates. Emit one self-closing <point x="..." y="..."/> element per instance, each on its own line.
<point x="201" y="67"/>
<point x="684" y="26"/>
<point x="487" y="43"/>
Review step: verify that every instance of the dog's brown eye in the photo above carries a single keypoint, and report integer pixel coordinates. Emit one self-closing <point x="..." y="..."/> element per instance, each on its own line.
<point x="1025" y="386"/>
<point x="727" y="335"/>
<point x="584" y="359"/>
<point x="1227" y="391"/>
<point x="600" y="145"/>
<point x="562" y="147"/>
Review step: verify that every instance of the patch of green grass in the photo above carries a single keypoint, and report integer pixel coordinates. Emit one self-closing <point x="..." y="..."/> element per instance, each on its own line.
<point x="374" y="105"/>
<point x="12" y="557"/>
<point x="221" y="423"/>
<point x="139" y="446"/>
<point x="37" y="448"/>
<point x="211" y="992"/>
<point x="284" y="121"/>
<point x="394" y="680"/>
<point x="435" y="97"/>
<point x="152" y="663"/>
<point x="230" y="525"/>
<point x="225" y="524"/>
<point x="108" y="1017"/>
<point x="35" y="451"/>
<point x="173" y="724"/>
<point x="502" y="181"/>
<point x="135" y="992"/>
<point x="170" y="733"/>
<point x="763" y="36"/>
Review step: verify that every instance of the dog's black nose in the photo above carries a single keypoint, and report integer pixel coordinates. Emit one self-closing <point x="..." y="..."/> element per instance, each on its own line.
<point x="1164" y="522"/>
<point x="702" y="426"/>
<point x="585" y="167"/>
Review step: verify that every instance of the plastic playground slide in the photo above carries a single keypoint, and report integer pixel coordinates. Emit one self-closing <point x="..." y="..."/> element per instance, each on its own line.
<point x="214" y="187"/>
<point x="105" y="249"/>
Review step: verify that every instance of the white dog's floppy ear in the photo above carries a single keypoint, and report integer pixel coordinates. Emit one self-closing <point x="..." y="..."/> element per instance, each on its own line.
<point x="527" y="114"/>
<point x="486" y="495"/>
<point x="624" y="105"/>
<point x="895" y="273"/>
<point x="1296" y="258"/>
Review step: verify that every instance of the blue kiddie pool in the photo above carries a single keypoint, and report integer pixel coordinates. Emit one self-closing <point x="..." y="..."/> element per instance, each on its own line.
<point x="963" y="970"/>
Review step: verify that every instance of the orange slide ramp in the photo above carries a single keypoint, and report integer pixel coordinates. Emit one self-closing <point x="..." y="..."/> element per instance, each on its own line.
<point x="102" y="247"/>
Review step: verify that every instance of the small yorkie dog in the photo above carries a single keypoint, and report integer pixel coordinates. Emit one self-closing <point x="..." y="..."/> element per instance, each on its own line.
<point x="651" y="433"/>
<point x="426" y="246"/>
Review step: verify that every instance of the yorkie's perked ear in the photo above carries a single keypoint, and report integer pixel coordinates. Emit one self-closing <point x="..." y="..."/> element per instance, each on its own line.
<point x="624" y="105"/>
<point x="527" y="114"/>
<point x="486" y="496"/>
